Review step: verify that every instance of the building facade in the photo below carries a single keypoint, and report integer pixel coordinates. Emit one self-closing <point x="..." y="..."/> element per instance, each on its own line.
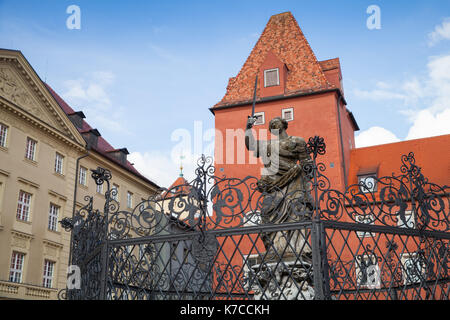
<point x="47" y="152"/>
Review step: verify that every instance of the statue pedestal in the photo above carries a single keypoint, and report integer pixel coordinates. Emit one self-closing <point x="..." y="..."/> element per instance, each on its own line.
<point x="288" y="278"/>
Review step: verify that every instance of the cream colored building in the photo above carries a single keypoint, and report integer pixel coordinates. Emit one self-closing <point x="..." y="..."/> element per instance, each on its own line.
<point x="42" y="140"/>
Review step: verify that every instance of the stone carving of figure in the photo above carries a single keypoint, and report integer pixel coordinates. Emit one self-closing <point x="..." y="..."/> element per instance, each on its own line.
<point x="284" y="184"/>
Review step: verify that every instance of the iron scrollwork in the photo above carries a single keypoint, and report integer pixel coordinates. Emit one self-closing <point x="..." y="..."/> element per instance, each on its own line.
<point x="200" y="210"/>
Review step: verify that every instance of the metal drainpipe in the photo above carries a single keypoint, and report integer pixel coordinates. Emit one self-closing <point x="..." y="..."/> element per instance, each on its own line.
<point x="338" y="105"/>
<point x="75" y="200"/>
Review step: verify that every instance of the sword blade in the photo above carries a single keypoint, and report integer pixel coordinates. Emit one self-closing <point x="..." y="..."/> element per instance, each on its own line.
<point x="254" y="97"/>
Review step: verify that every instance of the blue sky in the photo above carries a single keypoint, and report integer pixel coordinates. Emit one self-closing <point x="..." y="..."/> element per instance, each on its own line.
<point x="140" y="70"/>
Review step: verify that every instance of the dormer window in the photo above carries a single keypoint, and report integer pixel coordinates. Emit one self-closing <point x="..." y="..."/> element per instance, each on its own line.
<point x="367" y="179"/>
<point x="271" y="77"/>
<point x="367" y="183"/>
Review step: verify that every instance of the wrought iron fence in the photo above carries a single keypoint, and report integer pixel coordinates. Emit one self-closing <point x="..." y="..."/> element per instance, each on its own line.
<point x="383" y="238"/>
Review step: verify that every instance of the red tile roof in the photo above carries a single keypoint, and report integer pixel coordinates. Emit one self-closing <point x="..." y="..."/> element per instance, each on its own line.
<point x="285" y="39"/>
<point x="103" y="147"/>
<point x="179" y="187"/>
<point x="329" y="64"/>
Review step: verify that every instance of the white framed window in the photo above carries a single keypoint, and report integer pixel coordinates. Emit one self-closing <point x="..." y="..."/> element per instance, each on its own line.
<point x="53" y="217"/>
<point x="59" y="162"/>
<point x="100" y="188"/>
<point x="260" y="118"/>
<point x="16" y="268"/>
<point x="49" y="267"/>
<point x="409" y="218"/>
<point x="367" y="271"/>
<point x="83" y="176"/>
<point x="271" y="77"/>
<point x="367" y="183"/>
<point x="30" y="151"/>
<point x="129" y="199"/>
<point x="366" y="219"/>
<point x="3" y="135"/>
<point x="413" y="268"/>
<point x="115" y="192"/>
<point x="252" y="218"/>
<point x="23" y="206"/>
<point x="287" y="114"/>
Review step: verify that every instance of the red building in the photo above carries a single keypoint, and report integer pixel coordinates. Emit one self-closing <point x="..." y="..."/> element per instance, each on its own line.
<point x="309" y="94"/>
<point x="293" y="84"/>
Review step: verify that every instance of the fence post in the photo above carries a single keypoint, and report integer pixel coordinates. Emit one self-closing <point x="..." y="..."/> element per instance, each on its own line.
<point x="324" y="260"/>
<point x="104" y="272"/>
<point x="317" y="260"/>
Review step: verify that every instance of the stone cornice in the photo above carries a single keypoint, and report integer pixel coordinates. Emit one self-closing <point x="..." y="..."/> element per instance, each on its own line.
<point x="28" y="182"/>
<point x="4" y="172"/>
<point x="52" y="244"/>
<point x="22" y="235"/>
<point x="16" y="59"/>
<point x="32" y="120"/>
<point x="57" y="195"/>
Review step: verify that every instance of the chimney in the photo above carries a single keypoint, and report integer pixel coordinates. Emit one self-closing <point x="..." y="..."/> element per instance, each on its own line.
<point x="120" y="155"/>
<point x="77" y="119"/>
<point x="91" y="138"/>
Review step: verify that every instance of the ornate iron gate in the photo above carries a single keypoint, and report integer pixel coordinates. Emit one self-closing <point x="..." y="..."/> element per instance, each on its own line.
<point x="384" y="238"/>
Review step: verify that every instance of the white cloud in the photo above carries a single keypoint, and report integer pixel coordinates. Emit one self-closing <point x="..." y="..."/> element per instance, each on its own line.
<point x="161" y="167"/>
<point x="425" y="100"/>
<point x="429" y="124"/>
<point x="92" y="95"/>
<point x="440" y="32"/>
<point x="378" y="94"/>
<point x="91" y="90"/>
<point x="374" y="136"/>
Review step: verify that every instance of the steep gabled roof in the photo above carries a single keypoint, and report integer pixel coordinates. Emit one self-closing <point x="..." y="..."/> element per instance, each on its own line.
<point x="285" y="39"/>
<point x="180" y="186"/>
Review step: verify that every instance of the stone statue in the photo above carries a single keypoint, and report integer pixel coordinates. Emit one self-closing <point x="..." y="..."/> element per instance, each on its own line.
<point x="283" y="180"/>
<point x="285" y="186"/>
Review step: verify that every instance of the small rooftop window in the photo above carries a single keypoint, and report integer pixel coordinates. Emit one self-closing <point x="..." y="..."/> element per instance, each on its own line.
<point x="271" y="77"/>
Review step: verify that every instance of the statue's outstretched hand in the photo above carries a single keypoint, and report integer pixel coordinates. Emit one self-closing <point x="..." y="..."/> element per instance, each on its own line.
<point x="250" y="122"/>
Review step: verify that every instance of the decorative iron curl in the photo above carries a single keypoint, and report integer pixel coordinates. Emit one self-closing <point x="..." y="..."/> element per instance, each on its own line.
<point x="100" y="175"/>
<point x="316" y="146"/>
<point x="387" y="200"/>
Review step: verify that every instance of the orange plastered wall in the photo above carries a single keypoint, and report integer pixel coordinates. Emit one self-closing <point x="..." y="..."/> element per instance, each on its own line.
<point x="431" y="154"/>
<point x="313" y="115"/>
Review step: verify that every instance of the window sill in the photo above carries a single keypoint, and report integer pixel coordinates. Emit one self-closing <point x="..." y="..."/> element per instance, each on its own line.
<point x="85" y="187"/>
<point x="32" y="162"/>
<point x="54" y="231"/>
<point x="59" y="175"/>
<point x="23" y="221"/>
